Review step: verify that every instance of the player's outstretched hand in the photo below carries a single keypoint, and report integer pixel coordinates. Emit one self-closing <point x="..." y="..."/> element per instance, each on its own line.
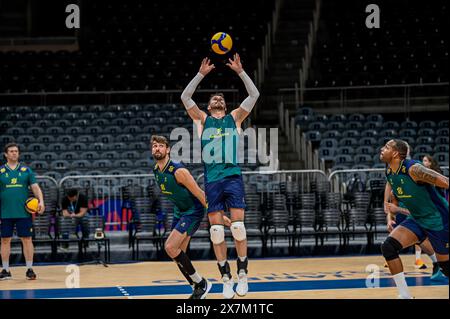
<point x="235" y="64"/>
<point x="206" y="67"/>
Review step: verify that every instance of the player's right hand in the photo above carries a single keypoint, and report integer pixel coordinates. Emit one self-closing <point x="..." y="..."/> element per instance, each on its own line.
<point x="390" y="225"/>
<point x="206" y="67"/>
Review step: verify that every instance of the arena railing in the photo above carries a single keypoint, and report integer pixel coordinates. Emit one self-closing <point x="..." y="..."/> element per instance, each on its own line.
<point x="394" y="98"/>
<point x="112" y="97"/>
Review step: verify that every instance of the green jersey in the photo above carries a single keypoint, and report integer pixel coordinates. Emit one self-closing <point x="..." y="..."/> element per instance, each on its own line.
<point x="427" y="207"/>
<point x="14" y="190"/>
<point x="185" y="203"/>
<point x="220" y="141"/>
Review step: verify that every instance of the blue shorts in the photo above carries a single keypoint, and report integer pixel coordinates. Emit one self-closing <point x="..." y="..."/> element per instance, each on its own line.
<point x="438" y="239"/>
<point x="189" y="221"/>
<point x="24" y="227"/>
<point x="225" y="193"/>
<point x="399" y="218"/>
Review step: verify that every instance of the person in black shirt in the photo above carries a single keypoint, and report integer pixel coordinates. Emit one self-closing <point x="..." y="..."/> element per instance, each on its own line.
<point x="75" y="205"/>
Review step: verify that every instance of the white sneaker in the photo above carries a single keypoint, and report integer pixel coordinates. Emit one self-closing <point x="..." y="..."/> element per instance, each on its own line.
<point x="228" y="292"/>
<point x="242" y="286"/>
<point x="404" y="297"/>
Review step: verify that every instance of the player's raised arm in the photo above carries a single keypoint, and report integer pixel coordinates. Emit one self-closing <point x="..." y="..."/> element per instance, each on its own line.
<point x="420" y="173"/>
<point x="241" y="113"/>
<point x="186" y="97"/>
<point x="184" y="177"/>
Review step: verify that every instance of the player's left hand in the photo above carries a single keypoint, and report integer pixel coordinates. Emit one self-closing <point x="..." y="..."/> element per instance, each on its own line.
<point x="391" y="208"/>
<point x="41" y="208"/>
<point x="235" y="64"/>
<point x="226" y="221"/>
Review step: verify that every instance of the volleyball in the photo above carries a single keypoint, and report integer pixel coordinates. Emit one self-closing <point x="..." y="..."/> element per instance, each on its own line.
<point x="221" y="43"/>
<point x="31" y="205"/>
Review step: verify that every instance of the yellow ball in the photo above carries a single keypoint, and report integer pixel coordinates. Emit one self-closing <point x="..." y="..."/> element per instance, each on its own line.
<point x="31" y="205"/>
<point x="221" y="43"/>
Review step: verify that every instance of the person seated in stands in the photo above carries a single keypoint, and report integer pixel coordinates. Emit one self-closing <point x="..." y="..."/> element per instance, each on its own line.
<point x="75" y="206"/>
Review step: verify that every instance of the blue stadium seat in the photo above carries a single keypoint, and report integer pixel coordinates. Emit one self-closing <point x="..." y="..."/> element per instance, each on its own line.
<point x="368" y="141"/>
<point x="57" y="147"/>
<point x="345" y="150"/>
<point x="5" y="139"/>
<point x="101" y="164"/>
<point x="322" y="118"/>
<point x="389" y="133"/>
<point x="105" y="138"/>
<point x="338" y="118"/>
<point x="70" y="156"/>
<point x="316" y="126"/>
<point x="336" y="126"/>
<point x="371" y="125"/>
<point x="326" y="153"/>
<point x="423" y="148"/>
<point x="348" y="141"/>
<point x="357" y="117"/>
<point x="407" y="132"/>
<point x="367" y="150"/>
<point x="118" y="146"/>
<point x="354" y="125"/>
<point x="369" y="133"/>
<point x="39" y="165"/>
<point x="427" y="124"/>
<point x="16" y="131"/>
<point x="25" y="139"/>
<point x="133" y="155"/>
<point x="48" y="156"/>
<point x="54" y="130"/>
<point x="73" y="130"/>
<point x="425" y="140"/>
<point x="426" y="132"/>
<point x="343" y="160"/>
<point x="88" y="139"/>
<point x="82" y="164"/>
<point x="60" y="165"/>
<point x="313" y="136"/>
<point x="363" y="159"/>
<point x="443" y="148"/>
<point x="409" y="124"/>
<point x="391" y="125"/>
<point x="443" y="123"/>
<point x="442" y="158"/>
<point x="61" y="123"/>
<point x="375" y="118"/>
<point x="329" y="143"/>
<point x="442" y="131"/>
<point x="441" y="140"/>
<point x="351" y="133"/>
<point x="89" y="155"/>
<point x="331" y="134"/>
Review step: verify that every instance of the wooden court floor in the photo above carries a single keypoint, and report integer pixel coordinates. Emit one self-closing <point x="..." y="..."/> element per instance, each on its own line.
<point x="293" y="278"/>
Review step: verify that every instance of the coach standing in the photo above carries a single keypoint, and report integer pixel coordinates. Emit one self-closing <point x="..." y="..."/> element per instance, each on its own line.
<point x="15" y="178"/>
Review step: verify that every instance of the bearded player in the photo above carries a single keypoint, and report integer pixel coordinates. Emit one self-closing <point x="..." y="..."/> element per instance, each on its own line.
<point x="224" y="186"/>
<point x="414" y="185"/>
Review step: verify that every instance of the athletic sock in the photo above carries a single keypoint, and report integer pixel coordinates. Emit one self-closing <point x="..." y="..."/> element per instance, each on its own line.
<point x="418" y="253"/>
<point x="196" y="278"/>
<point x="402" y="287"/>
<point x="5" y="265"/>
<point x="433" y="258"/>
<point x="29" y="264"/>
<point x="222" y="263"/>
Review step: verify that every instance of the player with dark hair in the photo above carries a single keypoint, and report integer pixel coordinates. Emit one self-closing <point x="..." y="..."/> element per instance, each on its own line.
<point x="177" y="183"/>
<point x="15" y="181"/>
<point x="414" y="185"/>
<point x="224" y="186"/>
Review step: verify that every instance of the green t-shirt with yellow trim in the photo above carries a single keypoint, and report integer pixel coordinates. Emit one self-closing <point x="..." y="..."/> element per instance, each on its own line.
<point x="14" y="190"/>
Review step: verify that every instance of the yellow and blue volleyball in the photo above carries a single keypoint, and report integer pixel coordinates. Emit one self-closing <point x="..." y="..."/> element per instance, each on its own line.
<point x="221" y="43"/>
<point x="31" y="205"/>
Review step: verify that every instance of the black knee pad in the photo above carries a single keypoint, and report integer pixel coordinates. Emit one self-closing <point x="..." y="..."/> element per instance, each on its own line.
<point x="390" y="248"/>
<point x="444" y="267"/>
